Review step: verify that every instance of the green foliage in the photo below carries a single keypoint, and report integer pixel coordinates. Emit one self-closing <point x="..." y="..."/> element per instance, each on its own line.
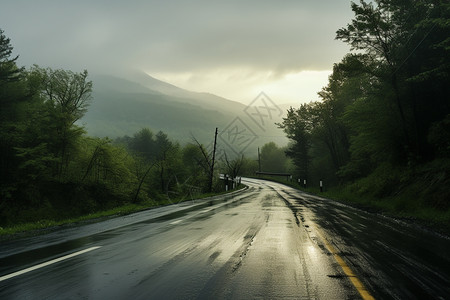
<point x="9" y="71"/>
<point x="143" y="144"/>
<point x="405" y="41"/>
<point x="298" y="127"/>
<point x="421" y="193"/>
<point x="51" y="170"/>
<point x="274" y="159"/>
<point x="439" y="137"/>
<point x="249" y="166"/>
<point x="61" y="99"/>
<point x="195" y="168"/>
<point x="13" y="113"/>
<point x="384" y="114"/>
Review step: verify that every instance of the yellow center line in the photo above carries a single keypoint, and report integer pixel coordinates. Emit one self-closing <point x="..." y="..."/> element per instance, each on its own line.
<point x="347" y="271"/>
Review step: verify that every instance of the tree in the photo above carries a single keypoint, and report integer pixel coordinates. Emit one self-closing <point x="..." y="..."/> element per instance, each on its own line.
<point x="105" y="170"/>
<point x="249" y="166"/>
<point x="68" y="92"/>
<point x="66" y="95"/>
<point x="298" y="127"/>
<point x="426" y="64"/>
<point x="13" y="97"/>
<point x="351" y="81"/>
<point x="408" y="44"/>
<point x="206" y="162"/>
<point x="273" y="158"/>
<point x="167" y="159"/>
<point x="157" y="153"/>
<point x="9" y="71"/>
<point x="373" y="31"/>
<point x="143" y="144"/>
<point x="234" y="167"/>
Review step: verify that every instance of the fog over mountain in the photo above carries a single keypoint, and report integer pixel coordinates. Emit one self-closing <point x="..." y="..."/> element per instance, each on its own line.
<point x="122" y="107"/>
<point x="230" y="48"/>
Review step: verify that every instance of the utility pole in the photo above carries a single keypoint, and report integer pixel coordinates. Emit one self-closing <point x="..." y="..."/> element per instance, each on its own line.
<point x="212" y="164"/>
<point x="259" y="161"/>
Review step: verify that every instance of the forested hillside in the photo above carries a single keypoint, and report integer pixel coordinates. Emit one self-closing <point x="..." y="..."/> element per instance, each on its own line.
<point x="382" y="126"/>
<point x="123" y="106"/>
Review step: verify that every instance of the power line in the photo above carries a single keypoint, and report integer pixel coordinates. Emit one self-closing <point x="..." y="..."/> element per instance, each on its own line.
<point x="258" y="135"/>
<point x="415" y="48"/>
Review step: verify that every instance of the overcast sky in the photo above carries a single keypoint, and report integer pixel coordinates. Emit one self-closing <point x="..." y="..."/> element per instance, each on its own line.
<point x="234" y="49"/>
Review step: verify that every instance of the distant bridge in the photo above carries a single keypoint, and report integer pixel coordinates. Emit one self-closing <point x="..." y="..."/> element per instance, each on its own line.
<point x="287" y="175"/>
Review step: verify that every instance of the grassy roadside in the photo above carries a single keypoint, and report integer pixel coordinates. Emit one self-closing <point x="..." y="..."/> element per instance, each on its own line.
<point x="404" y="206"/>
<point x="38" y="227"/>
<point x="43" y="224"/>
<point x="409" y="205"/>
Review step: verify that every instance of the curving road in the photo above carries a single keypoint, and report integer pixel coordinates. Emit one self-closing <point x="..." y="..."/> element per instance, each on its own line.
<point x="269" y="241"/>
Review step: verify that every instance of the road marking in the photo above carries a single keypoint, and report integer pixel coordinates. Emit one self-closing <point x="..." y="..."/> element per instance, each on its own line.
<point x="50" y="262"/>
<point x="175" y="222"/>
<point x="353" y="279"/>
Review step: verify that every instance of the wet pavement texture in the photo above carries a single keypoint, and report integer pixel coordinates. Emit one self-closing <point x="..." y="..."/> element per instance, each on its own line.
<point x="269" y="241"/>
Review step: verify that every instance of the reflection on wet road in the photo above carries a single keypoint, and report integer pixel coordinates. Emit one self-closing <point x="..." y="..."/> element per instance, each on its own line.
<point x="267" y="242"/>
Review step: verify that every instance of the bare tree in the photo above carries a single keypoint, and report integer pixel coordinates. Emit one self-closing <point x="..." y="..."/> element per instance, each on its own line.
<point x="234" y="166"/>
<point x="206" y="162"/>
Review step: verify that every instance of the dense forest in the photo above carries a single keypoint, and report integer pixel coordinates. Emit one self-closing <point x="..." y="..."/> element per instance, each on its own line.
<point x="382" y="126"/>
<point x="50" y="168"/>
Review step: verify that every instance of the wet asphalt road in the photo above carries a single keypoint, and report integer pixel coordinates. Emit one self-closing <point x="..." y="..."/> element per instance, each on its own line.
<point x="267" y="242"/>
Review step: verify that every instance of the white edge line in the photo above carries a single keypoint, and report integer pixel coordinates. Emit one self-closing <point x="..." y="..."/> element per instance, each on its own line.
<point x="175" y="222"/>
<point x="50" y="262"/>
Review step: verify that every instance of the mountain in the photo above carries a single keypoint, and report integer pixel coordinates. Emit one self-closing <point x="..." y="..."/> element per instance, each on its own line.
<point x="124" y="106"/>
<point x="204" y="99"/>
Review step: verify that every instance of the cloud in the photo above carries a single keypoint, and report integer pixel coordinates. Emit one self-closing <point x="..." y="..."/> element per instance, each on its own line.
<point x="244" y="85"/>
<point x="281" y="39"/>
<point x="179" y="35"/>
<point x="251" y="41"/>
